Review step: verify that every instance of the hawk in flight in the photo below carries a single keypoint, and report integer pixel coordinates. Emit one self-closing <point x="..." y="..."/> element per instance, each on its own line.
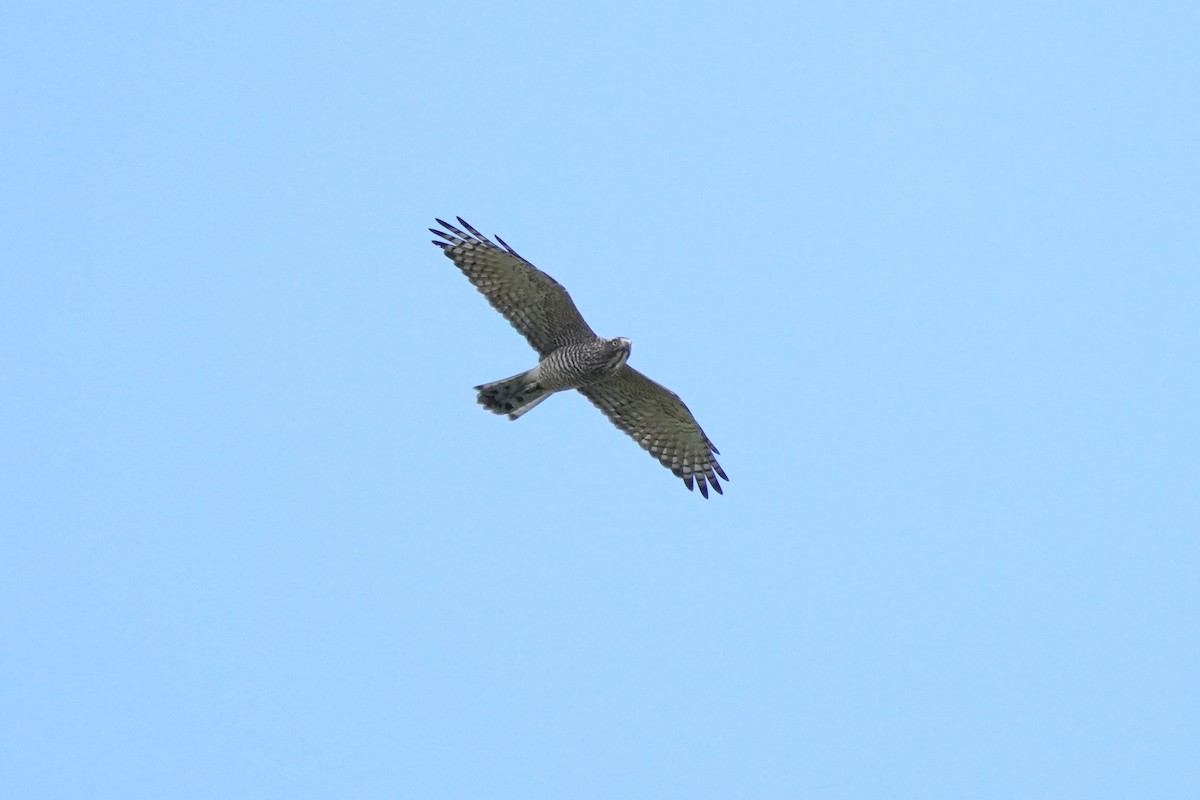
<point x="572" y="356"/>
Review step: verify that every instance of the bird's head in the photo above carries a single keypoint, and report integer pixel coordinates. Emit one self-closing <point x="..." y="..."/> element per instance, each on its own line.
<point x="621" y="348"/>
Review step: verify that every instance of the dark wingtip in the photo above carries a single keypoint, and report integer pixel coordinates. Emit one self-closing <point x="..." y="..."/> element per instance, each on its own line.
<point x="479" y="237"/>
<point x="456" y="233"/>
<point x="703" y="486"/>
<point x="687" y="481"/>
<point x="716" y="485"/>
<point x="509" y="248"/>
<point x="720" y="471"/>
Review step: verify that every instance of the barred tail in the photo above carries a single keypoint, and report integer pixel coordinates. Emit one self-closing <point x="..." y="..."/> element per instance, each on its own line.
<point x="513" y="396"/>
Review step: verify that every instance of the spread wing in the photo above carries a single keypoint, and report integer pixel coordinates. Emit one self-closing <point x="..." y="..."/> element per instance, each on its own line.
<point x="536" y="304"/>
<point x="659" y="421"/>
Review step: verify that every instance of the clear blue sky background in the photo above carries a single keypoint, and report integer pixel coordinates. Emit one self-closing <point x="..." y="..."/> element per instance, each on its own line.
<point x="929" y="276"/>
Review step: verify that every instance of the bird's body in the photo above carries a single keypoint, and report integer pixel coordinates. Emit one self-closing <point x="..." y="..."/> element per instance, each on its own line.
<point x="572" y="366"/>
<point x="574" y="357"/>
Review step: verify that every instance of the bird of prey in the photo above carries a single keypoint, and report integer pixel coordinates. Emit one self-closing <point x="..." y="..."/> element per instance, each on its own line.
<point x="572" y="356"/>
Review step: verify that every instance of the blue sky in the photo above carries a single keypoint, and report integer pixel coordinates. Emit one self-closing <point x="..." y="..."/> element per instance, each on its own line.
<point x="928" y="274"/>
